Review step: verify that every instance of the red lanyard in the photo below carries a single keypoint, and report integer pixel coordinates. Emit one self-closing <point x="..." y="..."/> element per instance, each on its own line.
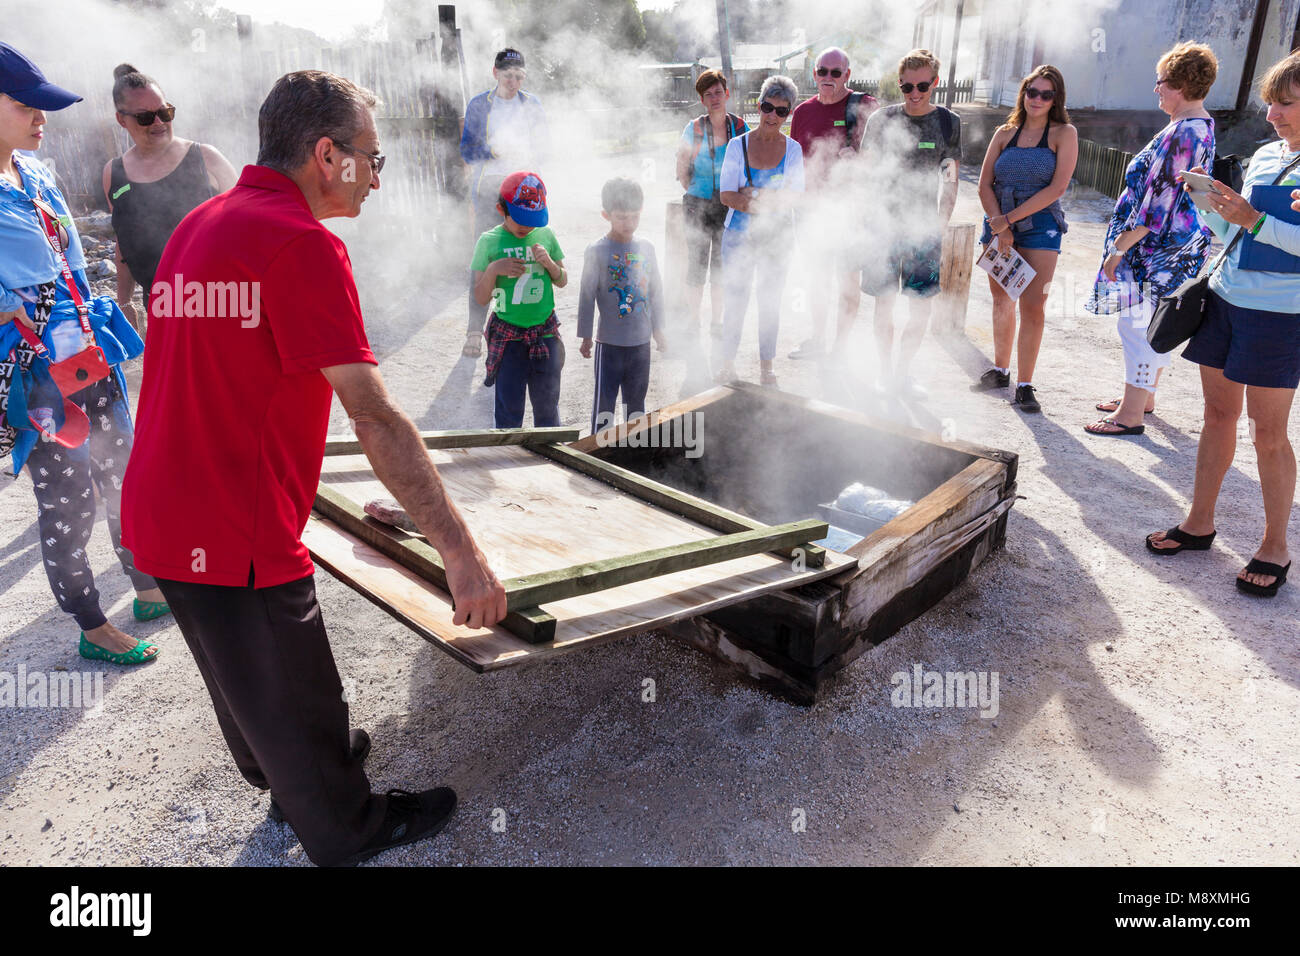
<point x="49" y="221"/>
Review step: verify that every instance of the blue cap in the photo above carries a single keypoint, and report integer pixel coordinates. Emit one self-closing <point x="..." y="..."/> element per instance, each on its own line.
<point x="23" y="80"/>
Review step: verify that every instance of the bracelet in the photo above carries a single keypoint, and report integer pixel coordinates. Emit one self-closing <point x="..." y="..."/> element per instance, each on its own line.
<point x="1259" y="224"/>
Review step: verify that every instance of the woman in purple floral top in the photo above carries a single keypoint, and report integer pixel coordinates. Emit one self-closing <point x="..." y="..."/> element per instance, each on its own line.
<point x="1155" y="241"/>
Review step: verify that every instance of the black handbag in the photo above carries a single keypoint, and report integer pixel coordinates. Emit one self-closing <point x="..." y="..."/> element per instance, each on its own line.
<point x="1179" y="315"/>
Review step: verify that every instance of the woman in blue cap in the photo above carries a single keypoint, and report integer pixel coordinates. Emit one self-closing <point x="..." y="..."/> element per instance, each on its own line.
<point x="34" y="288"/>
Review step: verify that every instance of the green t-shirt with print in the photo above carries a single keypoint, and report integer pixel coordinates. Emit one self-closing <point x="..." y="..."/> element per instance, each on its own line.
<point x="529" y="299"/>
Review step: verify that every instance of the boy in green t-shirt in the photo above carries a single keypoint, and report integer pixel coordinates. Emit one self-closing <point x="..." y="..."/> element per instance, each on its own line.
<point x="516" y="267"/>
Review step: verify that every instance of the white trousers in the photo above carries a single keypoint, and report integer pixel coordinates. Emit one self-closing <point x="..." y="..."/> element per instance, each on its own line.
<point x="1141" y="361"/>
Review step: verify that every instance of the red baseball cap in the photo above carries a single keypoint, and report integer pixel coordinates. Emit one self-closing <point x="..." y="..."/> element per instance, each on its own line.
<point x="524" y="196"/>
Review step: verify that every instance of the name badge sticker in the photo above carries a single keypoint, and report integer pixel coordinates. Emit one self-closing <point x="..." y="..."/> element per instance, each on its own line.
<point x="925" y="145"/>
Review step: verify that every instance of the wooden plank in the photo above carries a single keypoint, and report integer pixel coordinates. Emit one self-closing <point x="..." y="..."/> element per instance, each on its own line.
<point x="415" y="554"/>
<point x="581" y="621"/>
<point x="618" y="435"/>
<point x="662" y="496"/>
<point x="897" y="556"/>
<point x="543" y="588"/>
<point x="955" y="273"/>
<point x="468" y="438"/>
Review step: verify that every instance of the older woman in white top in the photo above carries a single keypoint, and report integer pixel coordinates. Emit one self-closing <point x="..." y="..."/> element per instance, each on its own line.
<point x="761" y="178"/>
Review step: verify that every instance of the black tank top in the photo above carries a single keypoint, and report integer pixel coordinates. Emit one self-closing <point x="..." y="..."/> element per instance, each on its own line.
<point x="146" y="214"/>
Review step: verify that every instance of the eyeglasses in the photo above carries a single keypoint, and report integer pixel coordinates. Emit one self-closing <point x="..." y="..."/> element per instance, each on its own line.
<point x="146" y="117"/>
<point x="1161" y="81"/>
<point x="376" y="160"/>
<point x="781" y="111"/>
<point x="1034" y="93"/>
<point x="919" y="87"/>
<point x="823" y="71"/>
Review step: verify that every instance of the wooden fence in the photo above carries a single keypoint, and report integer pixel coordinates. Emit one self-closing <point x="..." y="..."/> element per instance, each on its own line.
<point x="1101" y="167"/>
<point x="219" y="91"/>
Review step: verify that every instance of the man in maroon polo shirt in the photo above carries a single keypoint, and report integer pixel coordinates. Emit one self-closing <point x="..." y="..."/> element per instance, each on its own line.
<point x="829" y="129"/>
<point x="254" y="324"/>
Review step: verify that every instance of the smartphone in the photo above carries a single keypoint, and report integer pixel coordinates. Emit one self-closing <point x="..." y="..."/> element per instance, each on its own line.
<point x="1200" y="187"/>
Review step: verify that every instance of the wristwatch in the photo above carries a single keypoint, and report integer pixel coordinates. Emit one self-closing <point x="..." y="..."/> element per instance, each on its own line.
<point x="1113" y="250"/>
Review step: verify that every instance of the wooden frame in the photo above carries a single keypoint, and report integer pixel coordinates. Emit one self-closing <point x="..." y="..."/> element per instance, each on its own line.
<point x="480" y="438"/>
<point x="794" y="641"/>
<point x="525" y="594"/>
<point x="788" y="627"/>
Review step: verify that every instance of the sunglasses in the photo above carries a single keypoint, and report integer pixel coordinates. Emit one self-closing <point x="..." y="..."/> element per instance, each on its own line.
<point x="1045" y="95"/>
<point x="919" y="87"/>
<point x="146" y="117"/>
<point x="781" y="111"/>
<point x="376" y="160"/>
<point x="824" y="71"/>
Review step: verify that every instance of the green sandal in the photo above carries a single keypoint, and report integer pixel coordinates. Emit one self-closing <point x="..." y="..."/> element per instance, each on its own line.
<point x="148" y="610"/>
<point x="136" y="655"/>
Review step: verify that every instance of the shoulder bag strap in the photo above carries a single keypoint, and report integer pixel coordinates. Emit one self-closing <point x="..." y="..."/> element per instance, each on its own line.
<point x="1223" y="256"/>
<point x="49" y="220"/>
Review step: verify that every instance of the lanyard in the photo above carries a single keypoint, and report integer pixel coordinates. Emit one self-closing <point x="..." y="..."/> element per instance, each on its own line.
<point x="49" y="222"/>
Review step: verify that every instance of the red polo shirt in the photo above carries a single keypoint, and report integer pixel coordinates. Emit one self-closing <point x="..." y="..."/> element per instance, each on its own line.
<point x="253" y="296"/>
<point x="813" y="121"/>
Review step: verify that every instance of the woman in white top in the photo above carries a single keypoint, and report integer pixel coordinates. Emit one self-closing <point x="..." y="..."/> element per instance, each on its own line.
<point x="761" y="179"/>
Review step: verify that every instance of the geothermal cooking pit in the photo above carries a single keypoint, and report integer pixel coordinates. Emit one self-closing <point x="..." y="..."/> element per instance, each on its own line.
<point x="744" y="520"/>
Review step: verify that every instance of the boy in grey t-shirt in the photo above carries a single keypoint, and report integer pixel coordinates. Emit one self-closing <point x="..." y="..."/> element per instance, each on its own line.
<point x="620" y="279"/>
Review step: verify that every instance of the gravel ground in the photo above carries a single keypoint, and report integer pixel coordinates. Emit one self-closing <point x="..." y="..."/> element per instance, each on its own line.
<point x="1148" y="712"/>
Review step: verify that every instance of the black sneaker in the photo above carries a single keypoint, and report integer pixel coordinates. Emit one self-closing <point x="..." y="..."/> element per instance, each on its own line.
<point x="992" y="380"/>
<point x="359" y="746"/>
<point x="410" y="817"/>
<point x="1026" y="400"/>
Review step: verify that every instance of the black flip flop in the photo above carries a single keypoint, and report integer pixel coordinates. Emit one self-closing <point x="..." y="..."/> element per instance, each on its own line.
<point x="1257" y="566"/>
<point x="1123" y="429"/>
<point x="1186" y="542"/>
<point x="1116" y="402"/>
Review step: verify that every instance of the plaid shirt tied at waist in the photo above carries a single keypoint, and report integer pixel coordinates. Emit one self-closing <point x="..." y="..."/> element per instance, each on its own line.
<point x="499" y="333"/>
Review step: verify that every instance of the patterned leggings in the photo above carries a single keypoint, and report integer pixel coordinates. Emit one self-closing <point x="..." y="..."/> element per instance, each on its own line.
<point x="62" y="479"/>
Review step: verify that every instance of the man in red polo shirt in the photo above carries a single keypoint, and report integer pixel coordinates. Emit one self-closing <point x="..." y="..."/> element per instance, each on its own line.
<point x="254" y="324"/>
<point x="829" y="129"/>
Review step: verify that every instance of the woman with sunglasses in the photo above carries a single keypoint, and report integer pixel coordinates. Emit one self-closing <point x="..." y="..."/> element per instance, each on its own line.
<point x="762" y="177"/>
<point x="1155" y="241"/>
<point x="1026" y="171"/>
<point x="153" y="185"/>
<point x="699" y="162"/>
<point x="34" y="286"/>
